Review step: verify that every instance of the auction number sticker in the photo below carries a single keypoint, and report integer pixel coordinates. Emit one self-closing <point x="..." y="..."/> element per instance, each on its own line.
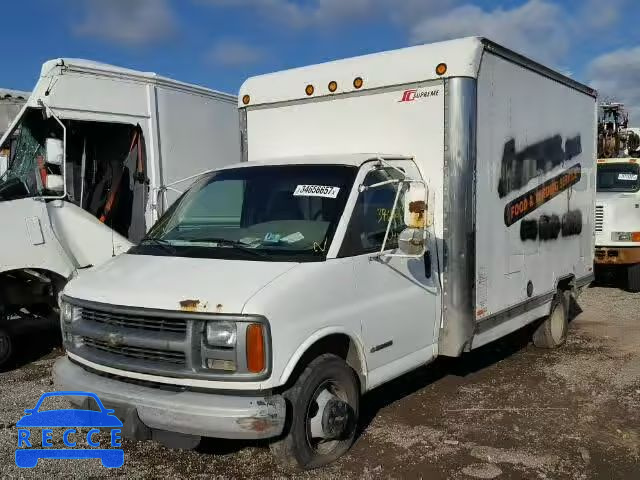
<point x="632" y="177"/>
<point x="316" y="191"/>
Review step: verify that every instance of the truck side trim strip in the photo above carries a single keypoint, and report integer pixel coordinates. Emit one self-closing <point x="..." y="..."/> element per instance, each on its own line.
<point x="530" y="304"/>
<point x="504" y="316"/>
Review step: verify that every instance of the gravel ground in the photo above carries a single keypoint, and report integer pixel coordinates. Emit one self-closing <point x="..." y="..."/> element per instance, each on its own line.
<point x="509" y="411"/>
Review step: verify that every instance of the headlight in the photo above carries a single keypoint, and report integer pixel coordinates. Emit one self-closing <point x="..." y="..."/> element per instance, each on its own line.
<point x="221" y="334"/>
<point x="625" y="236"/>
<point x="66" y="311"/>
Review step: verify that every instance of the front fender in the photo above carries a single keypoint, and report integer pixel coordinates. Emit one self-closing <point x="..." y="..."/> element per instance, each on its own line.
<point x="319" y="335"/>
<point x="28" y="240"/>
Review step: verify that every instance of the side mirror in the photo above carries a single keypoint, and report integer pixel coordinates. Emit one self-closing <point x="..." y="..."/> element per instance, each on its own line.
<point x="55" y="151"/>
<point x="411" y="241"/>
<point x="55" y="183"/>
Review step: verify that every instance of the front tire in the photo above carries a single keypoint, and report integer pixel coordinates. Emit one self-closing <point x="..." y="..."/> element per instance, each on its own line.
<point x="633" y="278"/>
<point x="6" y="346"/>
<point x="322" y="409"/>
<point x="552" y="332"/>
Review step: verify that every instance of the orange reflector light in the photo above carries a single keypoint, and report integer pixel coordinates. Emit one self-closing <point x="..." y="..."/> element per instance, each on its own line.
<point x="333" y="86"/>
<point x="309" y="90"/>
<point x="441" y="69"/>
<point x="246" y="99"/>
<point x="358" y="82"/>
<point x="635" y="237"/>
<point x="633" y="160"/>
<point x="256" y="362"/>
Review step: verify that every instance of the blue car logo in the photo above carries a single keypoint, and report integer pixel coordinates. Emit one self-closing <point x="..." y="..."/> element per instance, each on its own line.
<point x="32" y="447"/>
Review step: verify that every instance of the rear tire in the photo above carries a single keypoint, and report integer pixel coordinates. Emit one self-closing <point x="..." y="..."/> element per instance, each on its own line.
<point x="633" y="278"/>
<point x="6" y="346"/>
<point x="552" y="332"/>
<point x="298" y="448"/>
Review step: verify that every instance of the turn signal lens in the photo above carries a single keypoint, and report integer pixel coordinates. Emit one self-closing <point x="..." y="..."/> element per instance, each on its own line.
<point x="441" y="69"/>
<point x="358" y="82"/>
<point x="309" y="90"/>
<point x="333" y="86"/>
<point x="246" y="99"/>
<point x="256" y="361"/>
<point x="635" y="237"/>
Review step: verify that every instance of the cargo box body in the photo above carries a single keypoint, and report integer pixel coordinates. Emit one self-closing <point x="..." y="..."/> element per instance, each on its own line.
<point x="506" y="146"/>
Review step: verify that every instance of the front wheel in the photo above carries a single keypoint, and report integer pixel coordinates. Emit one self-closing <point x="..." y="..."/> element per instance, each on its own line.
<point x="6" y="346"/>
<point x="552" y="332"/>
<point x="633" y="278"/>
<point x="322" y="412"/>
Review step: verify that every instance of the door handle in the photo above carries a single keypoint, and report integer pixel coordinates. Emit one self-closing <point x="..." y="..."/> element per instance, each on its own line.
<point x="427" y="264"/>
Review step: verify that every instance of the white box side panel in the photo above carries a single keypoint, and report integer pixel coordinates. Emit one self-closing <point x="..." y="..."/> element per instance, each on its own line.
<point x="377" y="122"/>
<point x="72" y="93"/>
<point x="535" y="185"/>
<point x="196" y="133"/>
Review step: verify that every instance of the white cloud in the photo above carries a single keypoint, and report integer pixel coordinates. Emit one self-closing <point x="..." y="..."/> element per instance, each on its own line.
<point x="616" y="76"/>
<point x="234" y="53"/>
<point x="328" y="13"/>
<point x="537" y="28"/>
<point x="126" y="22"/>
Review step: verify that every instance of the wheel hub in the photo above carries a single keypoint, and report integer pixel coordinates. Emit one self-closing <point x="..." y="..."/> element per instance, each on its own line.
<point x="333" y="418"/>
<point x="336" y="418"/>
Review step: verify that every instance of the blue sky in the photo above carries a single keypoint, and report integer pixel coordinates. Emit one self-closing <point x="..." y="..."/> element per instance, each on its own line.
<point x="218" y="43"/>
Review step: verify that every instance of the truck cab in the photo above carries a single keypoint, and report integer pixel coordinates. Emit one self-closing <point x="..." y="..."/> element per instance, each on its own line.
<point x="617" y="224"/>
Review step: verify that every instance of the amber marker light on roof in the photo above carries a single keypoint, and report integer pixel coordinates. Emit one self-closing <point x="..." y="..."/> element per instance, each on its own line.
<point x="309" y="90"/>
<point x="358" y="82"/>
<point x="333" y="86"/>
<point x="246" y="99"/>
<point x="441" y="69"/>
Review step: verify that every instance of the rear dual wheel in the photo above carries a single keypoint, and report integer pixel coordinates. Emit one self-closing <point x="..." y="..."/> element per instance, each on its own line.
<point x="322" y="411"/>
<point x="552" y="332"/>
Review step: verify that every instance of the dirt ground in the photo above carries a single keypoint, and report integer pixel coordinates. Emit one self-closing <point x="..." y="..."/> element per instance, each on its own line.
<point x="509" y="411"/>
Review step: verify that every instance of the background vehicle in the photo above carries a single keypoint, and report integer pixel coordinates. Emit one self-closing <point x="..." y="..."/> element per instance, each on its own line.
<point x="618" y="199"/>
<point x="95" y="156"/>
<point x="11" y="102"/>
<point x="331" y="271"/>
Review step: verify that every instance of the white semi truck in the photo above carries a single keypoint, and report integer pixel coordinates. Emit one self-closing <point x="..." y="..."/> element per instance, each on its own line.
<point x="94" y="157"/>
<point x="394" y="207"/>
<point x="617" y="223"/>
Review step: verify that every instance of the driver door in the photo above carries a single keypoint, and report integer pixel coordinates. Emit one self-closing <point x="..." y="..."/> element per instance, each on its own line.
<point x="396" y="297"/>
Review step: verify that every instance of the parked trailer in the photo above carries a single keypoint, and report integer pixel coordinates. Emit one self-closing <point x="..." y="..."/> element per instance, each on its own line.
<point x="331" y="271"/>
<point x="99" y="153"/>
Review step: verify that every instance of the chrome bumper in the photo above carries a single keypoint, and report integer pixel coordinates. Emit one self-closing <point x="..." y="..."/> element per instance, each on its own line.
<point x="143" y="408"/>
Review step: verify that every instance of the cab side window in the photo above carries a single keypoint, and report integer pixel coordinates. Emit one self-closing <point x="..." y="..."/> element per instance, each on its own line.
<point x="372" y="214"/>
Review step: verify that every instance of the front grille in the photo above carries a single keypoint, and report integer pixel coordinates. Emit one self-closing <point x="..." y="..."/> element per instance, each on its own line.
<point x="599" y="218"/>
<point x="158" y="324"/>
<point x="147" y="354"/>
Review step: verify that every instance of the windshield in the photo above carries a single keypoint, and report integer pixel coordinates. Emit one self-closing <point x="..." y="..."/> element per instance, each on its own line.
<point x="26" y="166"/>
<point x="618" y="177"/>
<point x="264" y="213"/>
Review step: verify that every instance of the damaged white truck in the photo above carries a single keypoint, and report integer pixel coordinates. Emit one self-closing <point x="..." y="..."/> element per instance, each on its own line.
<point x="95" y="156"/>
<point x="393" y="208"/>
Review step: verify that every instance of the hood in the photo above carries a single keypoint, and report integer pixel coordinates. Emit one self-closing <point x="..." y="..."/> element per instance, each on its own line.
<point x="176" y="283"/>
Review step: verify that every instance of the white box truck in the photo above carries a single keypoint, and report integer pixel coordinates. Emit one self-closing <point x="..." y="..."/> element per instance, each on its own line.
<point x="394" y="207"/>
<point x="96" y="154"/>
<point x="617" y="222"/>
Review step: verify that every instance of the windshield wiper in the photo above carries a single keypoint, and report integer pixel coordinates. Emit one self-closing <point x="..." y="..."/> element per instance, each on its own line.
<point x="164" y="244"/>
<point x="233" y="244"/>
